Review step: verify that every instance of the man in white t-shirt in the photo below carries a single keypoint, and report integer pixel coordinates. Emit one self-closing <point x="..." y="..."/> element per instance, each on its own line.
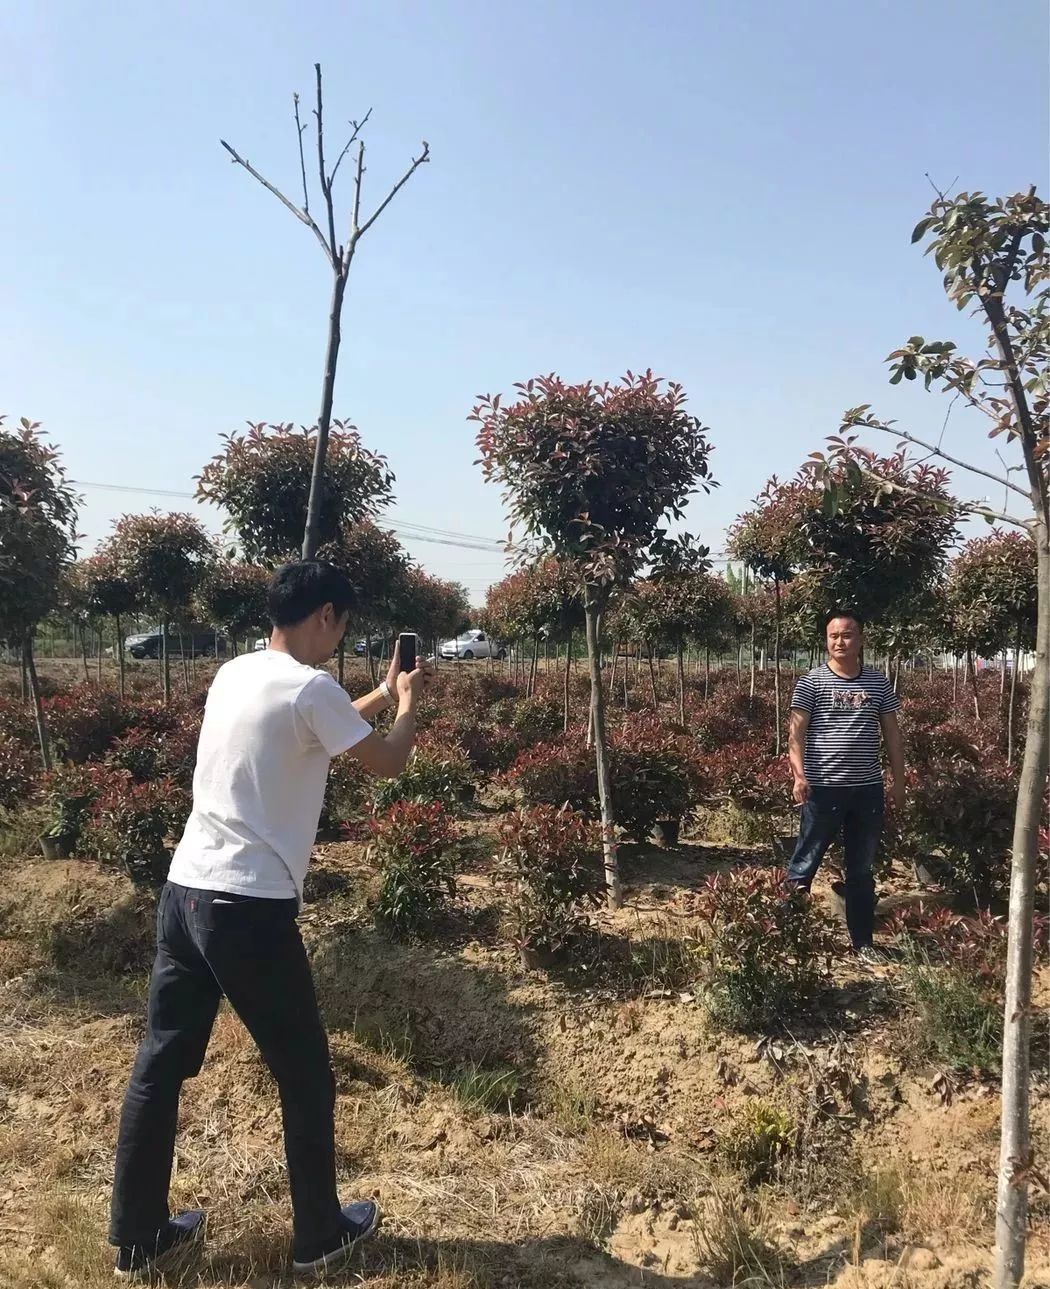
<point x="226" y="920"/>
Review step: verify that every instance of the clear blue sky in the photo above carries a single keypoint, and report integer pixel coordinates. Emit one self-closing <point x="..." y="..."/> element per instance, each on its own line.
<point x="722" y="190"/>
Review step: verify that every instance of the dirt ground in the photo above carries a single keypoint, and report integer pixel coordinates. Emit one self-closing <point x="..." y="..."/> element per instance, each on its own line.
<point x="521" y="1131"/>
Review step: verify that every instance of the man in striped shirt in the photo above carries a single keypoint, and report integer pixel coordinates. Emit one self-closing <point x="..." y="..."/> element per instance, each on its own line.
<point x="837" y="713"/>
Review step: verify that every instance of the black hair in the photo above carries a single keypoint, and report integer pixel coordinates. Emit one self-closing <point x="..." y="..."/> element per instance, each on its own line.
<point x="299" y="589"/>
<point x="852" y="614"/>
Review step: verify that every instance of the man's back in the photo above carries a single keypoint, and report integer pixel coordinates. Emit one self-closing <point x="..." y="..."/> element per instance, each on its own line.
<point x="271" y="725"/>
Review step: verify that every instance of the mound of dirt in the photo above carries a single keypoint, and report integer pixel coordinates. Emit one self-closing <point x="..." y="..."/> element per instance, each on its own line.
<point x="75" y="912"/>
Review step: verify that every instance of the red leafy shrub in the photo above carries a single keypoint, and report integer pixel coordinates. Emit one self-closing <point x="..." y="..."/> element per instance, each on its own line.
<point x="438" y="771"/>
<point x="974" y="945"/>
<point x="965" y="813"/>
<point x="490" y="750"/>
<point x="552" y="857"/>
<point x="557" y="774"/>
<point x="137" y="752"/>
<point x="730" y="716"/>
<point x="129" y="823"/>
<point x="17" y="772"/>
<point x="347" y="792"/>
<point x="765" y="951"/>
<point x="85" y="721"/>
<point x="747" y="775"/>
<point x="532" y="719"/>
<point x="415" y="844"/>
<point x="70" y="791"/>
<point x="655" y="775"/>
<point x="17" y="722"/>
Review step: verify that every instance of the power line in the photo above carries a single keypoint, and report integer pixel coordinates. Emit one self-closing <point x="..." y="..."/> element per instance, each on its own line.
<point x="410" y="532"/>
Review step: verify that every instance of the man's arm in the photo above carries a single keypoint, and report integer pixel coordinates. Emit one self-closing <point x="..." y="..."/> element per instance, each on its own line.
<point x="387" y="755"/>
<point x="374" y="703"/>
<point x="891" y="733"/>
<point x="797" y="734"/>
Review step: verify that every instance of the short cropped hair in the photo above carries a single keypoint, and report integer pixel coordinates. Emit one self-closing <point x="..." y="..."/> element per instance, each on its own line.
<point x="852" y="614"/>
<point x="299" y="589"/>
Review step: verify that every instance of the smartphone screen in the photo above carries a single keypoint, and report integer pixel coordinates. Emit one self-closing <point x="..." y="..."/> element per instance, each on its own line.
<point x="406" y="642"/>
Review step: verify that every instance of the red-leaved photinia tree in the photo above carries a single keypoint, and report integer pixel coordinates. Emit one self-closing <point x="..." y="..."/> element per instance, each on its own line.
<point x="768" y="540"/>
<point x="232" y="598"/>
<point x="262" y="480"/>
<point x="38" y="516"/>
<point x="589" y="473"/>
<point x="167" y="557"/>
<point x="993" y="603"/>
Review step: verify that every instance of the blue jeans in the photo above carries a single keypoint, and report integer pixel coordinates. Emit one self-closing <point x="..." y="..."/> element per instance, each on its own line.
<point x="855" y="815"/>
<point x="209" y="944"/>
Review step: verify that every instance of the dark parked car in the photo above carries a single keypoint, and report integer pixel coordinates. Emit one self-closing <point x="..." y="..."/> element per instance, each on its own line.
<point x="194" y="642"/>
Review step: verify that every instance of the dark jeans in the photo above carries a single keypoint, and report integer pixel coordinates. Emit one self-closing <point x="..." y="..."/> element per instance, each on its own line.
<point x="855" y="815"/>
<point x="251" y="951"/>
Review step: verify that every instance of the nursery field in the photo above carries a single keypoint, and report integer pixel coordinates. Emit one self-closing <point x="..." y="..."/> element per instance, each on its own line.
<point x="702" y="1088"/>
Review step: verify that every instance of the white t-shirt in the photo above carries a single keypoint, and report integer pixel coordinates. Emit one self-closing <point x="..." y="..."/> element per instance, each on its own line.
<point x="271" y="726"/>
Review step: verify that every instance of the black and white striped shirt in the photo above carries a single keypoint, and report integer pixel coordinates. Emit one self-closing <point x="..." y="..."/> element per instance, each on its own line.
<point x="842" y="746"/>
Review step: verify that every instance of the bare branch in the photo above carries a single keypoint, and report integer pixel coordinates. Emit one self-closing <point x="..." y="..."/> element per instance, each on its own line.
<point x="966" y="507"/>
<point x="356" y="216"/>
<point x="358" y="127"/>
<point x="939" y="452"/>
<point x="301" y="215"/>
<point x="422" y="159"/>
<point x="299" y="128"/>
<point x="326" y="187"/>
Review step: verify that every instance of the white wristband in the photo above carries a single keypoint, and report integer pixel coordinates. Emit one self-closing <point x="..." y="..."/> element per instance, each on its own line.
<point x="384" y="689"/>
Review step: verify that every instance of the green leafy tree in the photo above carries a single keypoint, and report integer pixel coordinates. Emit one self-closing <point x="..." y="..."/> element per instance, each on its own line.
<point x="262" y="480"/>
<point x="432" y="607"/>
<point x="38" y="516"/>
<point x="591" y="472"/>
<point x="232" y="598"/>
<point x="167" y="557"/>
<point x="993" y="256"/>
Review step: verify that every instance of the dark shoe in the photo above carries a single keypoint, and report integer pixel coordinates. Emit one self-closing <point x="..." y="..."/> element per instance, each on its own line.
<point x="137" y="1261"/>
<point x="360" y="1221"/>
<point x="871" y="957"/>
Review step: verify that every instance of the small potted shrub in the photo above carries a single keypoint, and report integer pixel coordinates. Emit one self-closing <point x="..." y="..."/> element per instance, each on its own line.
<point x="652" y="780"/>
<point x="129" y="824"/>
<point x="70" y="792"/>
<point x="415" y="844"/>
<point x="551" y="855"/>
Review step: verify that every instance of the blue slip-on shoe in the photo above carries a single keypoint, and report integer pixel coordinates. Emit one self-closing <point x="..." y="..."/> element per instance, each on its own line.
<point x="138" y="1261"/>
<point x="360" y="1221"/>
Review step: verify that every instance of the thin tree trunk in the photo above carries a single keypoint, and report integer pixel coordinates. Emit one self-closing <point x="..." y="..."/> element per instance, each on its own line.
<point x="897" y="676"/>
<point x="1015" y="1144"/>
<point x="568" y="674"/>
<point x="612" y="867"/>
<point x="1002" y="678"/>
<point x="185" y="664"/>
<point x="612" y="671"/>
<point x="652" y="680"/>
<point x="166" y="668"/>
<point x="38" y="706"/>
<point x="955" y="680"/>
<point x="1011" y="709"/>
<point x="119" y="646"/>
<point x="82" y="631"/>
<point x="751" y="694"/>
<point x="98" y="660"/>
<point x="707" y="672"/>
<point x="311" y="538"/>
<point x="680" y="656"/>
<point x="371" y="660"/>
<point x="971" y="668"/>
<point x="24" y="671"/>
<point x="626" y="696"/>
<point x="776" y="664"/>
<point x="534" y="670"/>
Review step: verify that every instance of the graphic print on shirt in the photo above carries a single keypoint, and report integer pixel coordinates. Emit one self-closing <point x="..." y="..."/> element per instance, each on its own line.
<point x="854" y="699"/>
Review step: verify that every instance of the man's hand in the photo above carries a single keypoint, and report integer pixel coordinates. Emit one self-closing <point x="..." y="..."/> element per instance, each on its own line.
<point x="394" y="670"/>
<point x="410" y="684"/>
<point x="801" y="790"/>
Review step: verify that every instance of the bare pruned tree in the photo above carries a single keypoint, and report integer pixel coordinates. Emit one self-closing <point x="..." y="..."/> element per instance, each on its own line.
<point x="340" y="256"/>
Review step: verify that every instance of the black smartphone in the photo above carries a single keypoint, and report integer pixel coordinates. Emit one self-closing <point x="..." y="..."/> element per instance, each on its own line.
<point x="406" y="645"/>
